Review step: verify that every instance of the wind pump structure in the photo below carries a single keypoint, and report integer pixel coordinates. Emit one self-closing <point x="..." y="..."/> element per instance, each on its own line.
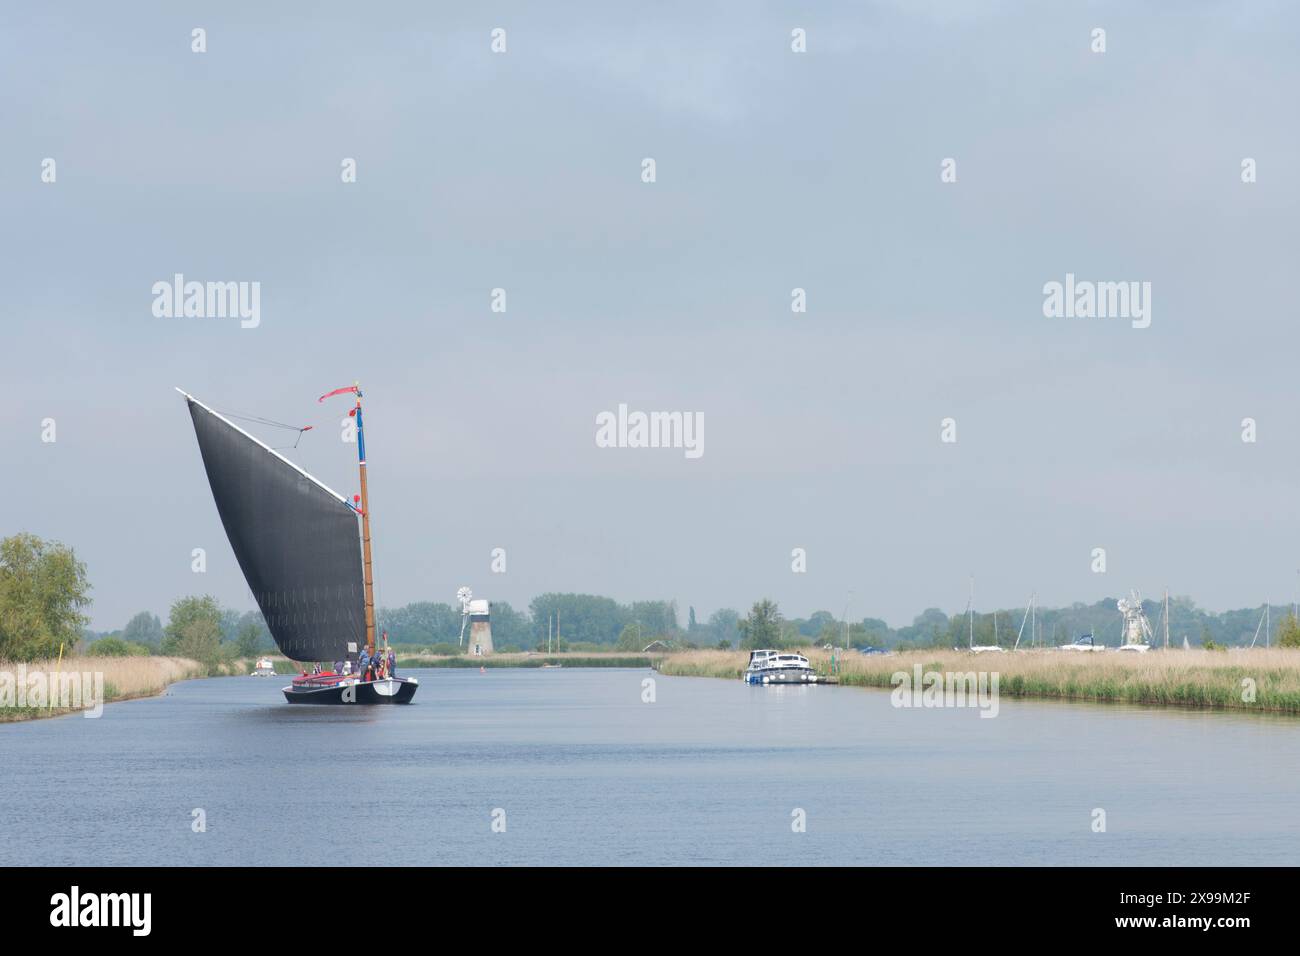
<point x="1137" y="629"/>
<point x="478" y="615"/>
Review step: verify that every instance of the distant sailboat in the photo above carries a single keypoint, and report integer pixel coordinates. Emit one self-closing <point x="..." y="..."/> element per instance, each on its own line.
<point x="1263" y="623"/>
<point x="1029" y="614"/>
<point x="297" y="543"/>
<point x="970" y="617"/>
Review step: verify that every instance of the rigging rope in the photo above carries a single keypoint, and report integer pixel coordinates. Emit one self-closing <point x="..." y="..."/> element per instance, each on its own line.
<point x="274" y="424"/>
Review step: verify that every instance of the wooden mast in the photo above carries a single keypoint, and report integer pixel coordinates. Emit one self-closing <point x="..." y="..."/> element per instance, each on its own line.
<point x="365" y="530"/>
<point x="363" y="510"/>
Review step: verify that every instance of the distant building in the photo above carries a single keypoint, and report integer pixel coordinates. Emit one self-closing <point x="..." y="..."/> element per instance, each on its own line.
<point x="480" y="627"/>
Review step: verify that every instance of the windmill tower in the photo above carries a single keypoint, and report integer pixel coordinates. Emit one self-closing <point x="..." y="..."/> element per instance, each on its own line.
<point x="478" y="615"/>
<point x="1137" y="629"/>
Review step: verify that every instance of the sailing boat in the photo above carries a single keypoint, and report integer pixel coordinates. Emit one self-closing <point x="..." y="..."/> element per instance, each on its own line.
<point x="296" y="541"/>
<point x="1029" y="613"/>
<point x="1265" y="623"/>
<point x="970" y="618"/>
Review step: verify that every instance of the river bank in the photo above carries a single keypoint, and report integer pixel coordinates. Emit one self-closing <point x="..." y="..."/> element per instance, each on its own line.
<point x="36" y="689"/>
<point x="1243" y="680"/>
<point x="527" y="660"/>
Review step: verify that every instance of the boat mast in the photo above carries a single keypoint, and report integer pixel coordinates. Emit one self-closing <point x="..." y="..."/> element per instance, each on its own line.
<point x="1166" y="619"/>
<point x="970" y="613"/>
<point x="365" y="528"/>
<point x="369" y="577"/>
<point x="1028" y="611"/>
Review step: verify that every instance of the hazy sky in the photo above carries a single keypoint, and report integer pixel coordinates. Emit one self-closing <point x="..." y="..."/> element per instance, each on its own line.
<point x="775" y="170"/>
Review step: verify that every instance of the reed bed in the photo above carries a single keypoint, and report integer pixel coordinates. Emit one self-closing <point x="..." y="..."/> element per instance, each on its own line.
<point x="124" y="678"/>
<point x="1193" y="678"/>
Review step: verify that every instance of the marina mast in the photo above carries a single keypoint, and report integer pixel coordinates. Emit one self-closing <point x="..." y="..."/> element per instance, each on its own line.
<point x="1166" y="619"/>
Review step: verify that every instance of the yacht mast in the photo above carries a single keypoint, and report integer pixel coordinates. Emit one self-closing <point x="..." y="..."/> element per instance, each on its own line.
<point x="1166" y="619"/>
<point x="1028" y="611"/>
<point x="355" y="388"/>
<point x="970" y="613"/>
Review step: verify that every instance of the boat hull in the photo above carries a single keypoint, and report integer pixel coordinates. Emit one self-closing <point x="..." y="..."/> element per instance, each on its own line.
<point x="785" y="675"/>
<point x="390" y="690"/>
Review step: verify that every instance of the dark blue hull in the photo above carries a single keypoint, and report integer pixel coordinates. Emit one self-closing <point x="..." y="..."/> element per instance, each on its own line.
<point x="392" y="690"/>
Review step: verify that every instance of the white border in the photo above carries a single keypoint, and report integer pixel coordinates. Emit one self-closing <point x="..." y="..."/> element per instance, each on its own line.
<point x="263" y="445"/>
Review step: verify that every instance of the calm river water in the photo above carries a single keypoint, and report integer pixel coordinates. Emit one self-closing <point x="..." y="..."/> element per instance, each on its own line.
<point x="585" y="772"/>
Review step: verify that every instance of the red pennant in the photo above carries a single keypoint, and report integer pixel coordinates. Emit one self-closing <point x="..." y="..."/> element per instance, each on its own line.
<point x="338" y="391"/>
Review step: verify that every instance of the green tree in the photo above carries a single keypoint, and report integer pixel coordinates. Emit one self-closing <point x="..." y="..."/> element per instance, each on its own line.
<point x="725" y="625"/>
<point x="657" y="617"/>
<point x="424" y="622"/>
<point x="579" y="617"/>
<point x="144" y="628"/>
<point x="509" y="627"/>
<point x="116" y="647"/>
<point x="43" y="588"/>
<point x="254" y="620"/>
<point x="246" y="641"/>
<point x="230" y="624"/>
<point x="200" y="640"/>
<point x="629" y="639"/>
<point x="762" y="628"/>
<point x="187" y="611"/>
<point x="817" y="625"/>
<point x="1288" y="632"/>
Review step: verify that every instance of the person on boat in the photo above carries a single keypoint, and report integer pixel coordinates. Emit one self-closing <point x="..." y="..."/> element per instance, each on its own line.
<point x="363" y="663"/>
<point x="392" y="663"/>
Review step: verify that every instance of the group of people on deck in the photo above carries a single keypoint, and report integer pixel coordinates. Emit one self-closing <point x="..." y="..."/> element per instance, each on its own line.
<point x="378" y="667"/>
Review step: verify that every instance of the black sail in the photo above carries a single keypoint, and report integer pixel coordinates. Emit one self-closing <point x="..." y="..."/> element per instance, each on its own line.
<point x="296" y="541"/>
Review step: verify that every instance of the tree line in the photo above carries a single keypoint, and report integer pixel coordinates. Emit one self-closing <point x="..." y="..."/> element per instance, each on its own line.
<point x="44" y="592"/>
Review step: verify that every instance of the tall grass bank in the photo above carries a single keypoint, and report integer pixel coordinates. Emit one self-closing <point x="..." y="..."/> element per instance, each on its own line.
<point x="1242" y="680"/>
<point x="50" y="688"/>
